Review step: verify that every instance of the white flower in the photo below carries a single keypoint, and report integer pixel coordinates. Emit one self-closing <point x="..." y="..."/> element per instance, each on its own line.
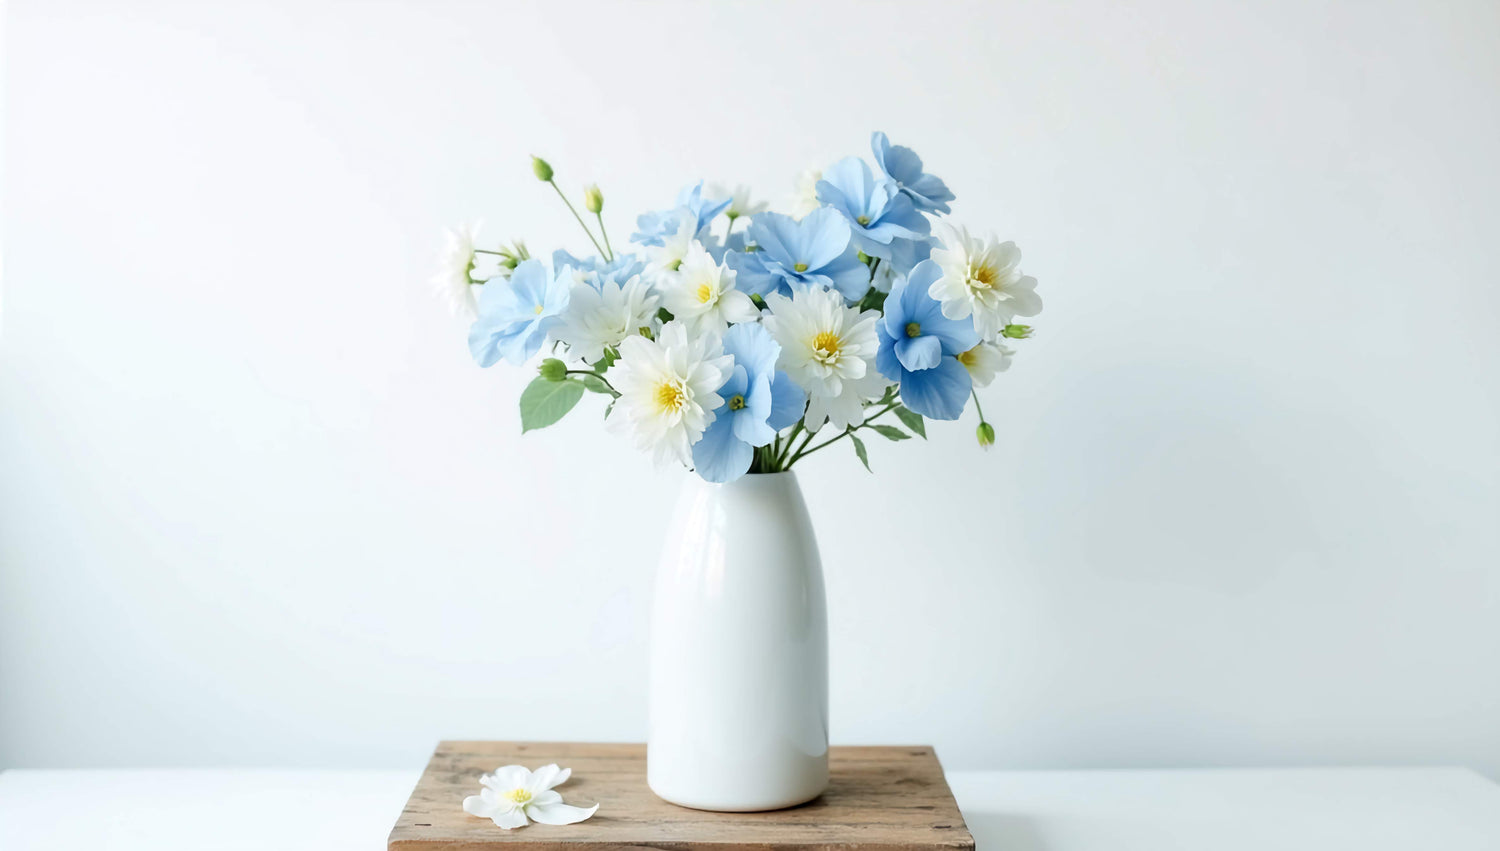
<point x="984" y="360"/>
<point x="829" y="350"/>
<point x="701" y="294"/>
<point x="452" y="283"/>
<point x="512" y="795"/>
<point x="598" y="319"/>
<point x="739" y="200"/>
<point x="667" y="390"/>
<point x="674" y="249"/>
<point x="806" y="198"/>
<point x="983" y="277"/>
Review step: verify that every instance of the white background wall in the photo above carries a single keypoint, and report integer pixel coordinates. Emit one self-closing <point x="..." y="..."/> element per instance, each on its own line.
<point x="257" y="507"/>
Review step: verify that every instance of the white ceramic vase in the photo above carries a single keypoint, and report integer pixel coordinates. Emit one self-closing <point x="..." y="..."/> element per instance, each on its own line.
<point x="739" y="650"/>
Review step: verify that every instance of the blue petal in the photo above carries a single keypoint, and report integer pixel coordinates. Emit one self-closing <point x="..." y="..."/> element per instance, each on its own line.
<point x="824" y="235"/>
<point x="753" y="348"/>
<point x="922" y="352"/>
<point x="850" y="277"/>
<point x="751" y="274"/>
<point x="885" y="356"/>
<point x="750" y="421"/>
<point x="719" y="456"/>
<point x="938" y="393"/>
<point x="738" y="383"/>
<point x="907" y="253"/>
<point x="788" y="401"/>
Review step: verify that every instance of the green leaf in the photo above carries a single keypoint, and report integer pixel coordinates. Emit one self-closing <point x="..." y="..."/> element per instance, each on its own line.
<point x="606" y="361"/>
<point x="664" y="315"/>
<point x="890" y="432"/>
<point x="595" y="384"/>
<point x="911" y="419"/>
<point x="545" y="402"/>
<point x="859" y="449"/>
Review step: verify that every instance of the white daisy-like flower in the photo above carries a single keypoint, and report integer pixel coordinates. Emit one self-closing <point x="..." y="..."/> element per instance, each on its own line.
<point x="984" y="360"/>
<point x="829" y="350"/>
<point x="598" y="319"/>
<point x="806" y="198"/>
<point x="513" y="797"/>
<point x="701" y="293"/>
<point x="983" y="278"/>
<point x="668" y="390"/>
<point x="739" y="200"/>
<point x="668" y="256"/>
<point x="452" y="282"/>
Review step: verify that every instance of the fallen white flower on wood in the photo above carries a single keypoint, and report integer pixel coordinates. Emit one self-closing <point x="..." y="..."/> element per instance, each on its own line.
<point x="512" y="795"/>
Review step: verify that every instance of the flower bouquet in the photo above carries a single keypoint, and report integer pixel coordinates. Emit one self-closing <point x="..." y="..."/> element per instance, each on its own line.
<point x="743" y="349"/>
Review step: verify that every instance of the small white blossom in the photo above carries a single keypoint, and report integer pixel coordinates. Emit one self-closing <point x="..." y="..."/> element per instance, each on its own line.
<point x="829" y="350"/>
<point x="983" y="278"/>
<point x="668" y="256"/>
<point x="668" y="390"/>
<point x="701" y="293"/>
<point x="806" y="198"/>
<point x="512" y="795"/>
<point x="597" y="319"/>
<point x="984" y="360"/>
<point x="739" y="200"/>
<point x="452" y="282"/>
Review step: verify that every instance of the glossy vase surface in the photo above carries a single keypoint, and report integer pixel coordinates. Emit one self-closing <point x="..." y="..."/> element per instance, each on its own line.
<point x="739" y="650"/>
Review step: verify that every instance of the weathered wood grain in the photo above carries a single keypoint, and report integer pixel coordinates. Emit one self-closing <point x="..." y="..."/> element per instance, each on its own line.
<point x="878" y="799"/>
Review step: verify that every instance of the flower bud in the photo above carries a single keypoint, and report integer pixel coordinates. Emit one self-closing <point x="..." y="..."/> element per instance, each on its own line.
<point x="985" y="433"/>
<point x="593" y="199"/>
<point x="553" y="369"/>
<point x="540" y="168"/>
<point x="1016" y="332"/>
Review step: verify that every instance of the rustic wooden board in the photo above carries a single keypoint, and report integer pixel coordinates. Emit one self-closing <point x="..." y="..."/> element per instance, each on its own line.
<point x="878" y="799"/>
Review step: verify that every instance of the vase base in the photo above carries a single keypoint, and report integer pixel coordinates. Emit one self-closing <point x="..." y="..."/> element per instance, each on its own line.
<point x="742" y="806"/>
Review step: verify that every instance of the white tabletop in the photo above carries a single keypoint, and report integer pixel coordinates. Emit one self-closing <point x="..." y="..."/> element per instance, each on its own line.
<point x="1450" y="809"/>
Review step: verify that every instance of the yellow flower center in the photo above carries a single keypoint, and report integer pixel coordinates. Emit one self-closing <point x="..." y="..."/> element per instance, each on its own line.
<point x="863" y="220"/>
<point x="913" y="329"/>
<point x="518" y="796"/>
<point x="799" y="267"/>
<point x="705" y="292"/>
<point x="983" y="277"/>
<point x="670" y="397"/>
<point x="736" y="402"/>
<point x="826" y="346"/>
<point x="970" y="357"/>
<point x="537" y="310"/>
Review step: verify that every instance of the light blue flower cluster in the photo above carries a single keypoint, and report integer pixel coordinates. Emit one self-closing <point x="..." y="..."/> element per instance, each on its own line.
<point x="729" y="348"/>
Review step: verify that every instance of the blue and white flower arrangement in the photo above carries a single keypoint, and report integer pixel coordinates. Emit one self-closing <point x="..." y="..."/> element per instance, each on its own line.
<point x="736" y="350"/>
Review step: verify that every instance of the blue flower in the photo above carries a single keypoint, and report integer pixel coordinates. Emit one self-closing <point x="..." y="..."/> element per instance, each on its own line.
<point x="596" y="271"/>
<point x="759" y="400"/>
<point x="815" y="252"/>
<point x="928" y="192"/>
<point x="919" y="347"/>
<point x="654" y="228"/>
<point x="877" y="212"/>
<point x="516" y="314"/>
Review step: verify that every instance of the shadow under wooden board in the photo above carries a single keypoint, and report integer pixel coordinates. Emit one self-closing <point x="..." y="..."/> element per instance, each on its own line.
<point x="878" y="799"/>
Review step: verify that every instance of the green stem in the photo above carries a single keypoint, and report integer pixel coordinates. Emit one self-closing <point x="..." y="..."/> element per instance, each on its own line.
<point x="787" y="450"/>
<point x="574" y="211"/>
<point x="977" y="408"/>
<point x="604" y="233"/>
<point x="487" y="251"/>
<point x="593" y="374"/>
<point x="803" y="451"/>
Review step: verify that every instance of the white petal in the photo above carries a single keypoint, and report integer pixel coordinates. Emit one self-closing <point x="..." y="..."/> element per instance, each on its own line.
<point x="506" y="778"/>
<point x="475" y="805"/>
<point x="546" y="777"/>
<point x="509" y="818"/>
<point x="559" y="813"/>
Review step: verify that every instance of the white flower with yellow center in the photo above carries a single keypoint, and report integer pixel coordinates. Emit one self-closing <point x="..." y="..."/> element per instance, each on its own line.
<point x="668" y="257"/>
<point x="452" y="282"/>
<point x="597" y="319"/>
<point x="829" y="350"/>
<point x="983" y="278"/>
<point x="984" y="360"/>
<point x="702" y="295"/>
<point x="668" y="390"/>
<point x="739" y="200"/>
<point x="806" y="198"/>
<point x="513" y="797"/>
